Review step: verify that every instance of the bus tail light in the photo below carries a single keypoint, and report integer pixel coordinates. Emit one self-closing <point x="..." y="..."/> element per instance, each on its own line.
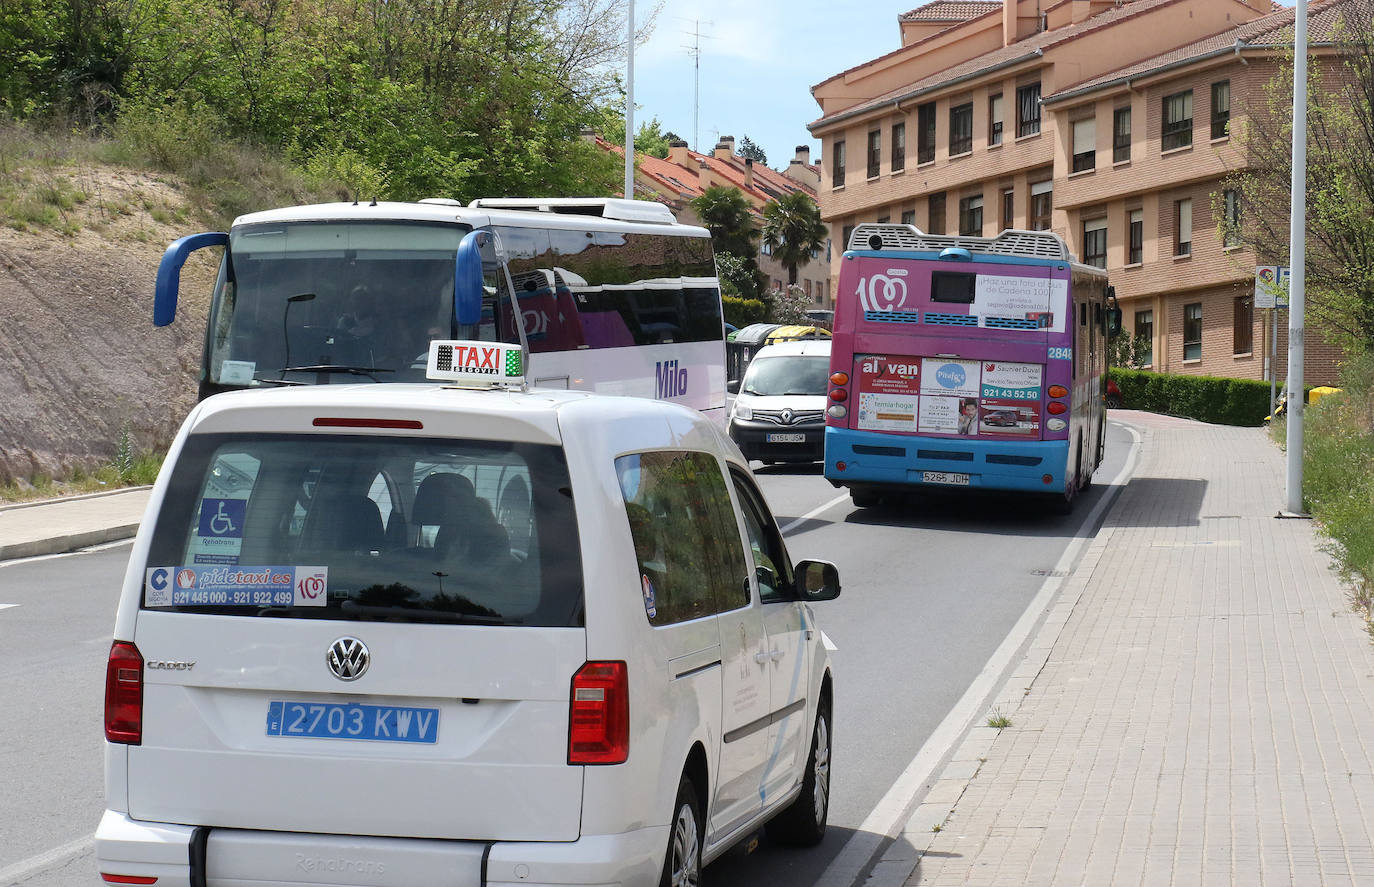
<point x="839" y="395"/>
<point x="839" y="378"/>
<point x="1057" y="407"/>
<point x="1058" y="391"/>
<point x="124" y="694"/>
<point x="599" y="714"/>
<point x="837" y="411"/>
<point x="1047" y="478"/>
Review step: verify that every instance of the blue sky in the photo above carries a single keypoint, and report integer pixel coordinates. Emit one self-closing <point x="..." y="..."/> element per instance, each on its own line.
<point x="759" y="60"/>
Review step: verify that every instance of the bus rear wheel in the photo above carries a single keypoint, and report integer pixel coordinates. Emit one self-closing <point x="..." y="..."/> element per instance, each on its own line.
<point x="863" y="498"/>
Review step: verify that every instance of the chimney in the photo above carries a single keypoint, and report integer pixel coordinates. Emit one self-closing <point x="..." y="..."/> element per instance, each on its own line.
<point x="748" y="172"/>
<point x="803" y="155"/>
<point x="677" y="153"/>
<point x="1008" y="22"/>
<point x="589" y="135"/>
<point x="724" y="150"/>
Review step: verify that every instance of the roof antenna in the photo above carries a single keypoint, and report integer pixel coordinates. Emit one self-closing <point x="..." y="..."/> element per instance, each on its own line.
<point x="374" y="202"/>
<point x="355" y="199"/>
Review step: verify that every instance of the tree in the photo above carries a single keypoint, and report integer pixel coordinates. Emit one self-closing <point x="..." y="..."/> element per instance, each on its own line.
<point x="793" y="230"/>
<point x="1340" y="181"/>
<point x="728" y="215"/>
<point x="750" y="150"/>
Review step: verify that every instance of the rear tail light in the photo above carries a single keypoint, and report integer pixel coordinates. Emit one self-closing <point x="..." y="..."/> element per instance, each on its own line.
<point x="1058" y="391"/>
<point x="839" y="378"/>
<point x="839" y="395"/>
<point x="124" y="695"/>
<point x="599" y="714"/>
<point x="1057" y="407"/>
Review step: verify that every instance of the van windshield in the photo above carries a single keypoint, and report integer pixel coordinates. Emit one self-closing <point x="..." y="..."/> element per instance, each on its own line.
<point x="796" y="374"/>
<point x="368" y="528"/>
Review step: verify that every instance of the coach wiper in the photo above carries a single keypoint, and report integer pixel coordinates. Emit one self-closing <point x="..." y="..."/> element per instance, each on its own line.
<point x="324" y="369"/>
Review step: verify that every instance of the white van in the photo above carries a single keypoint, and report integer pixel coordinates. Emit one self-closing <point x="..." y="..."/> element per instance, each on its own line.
<point x="415" y="634"/>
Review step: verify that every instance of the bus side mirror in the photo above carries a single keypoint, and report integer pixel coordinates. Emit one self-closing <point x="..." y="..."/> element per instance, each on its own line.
<point x="169" y="272"/>
<point x="1113" y="321"/>
<point x="467" y="278"/>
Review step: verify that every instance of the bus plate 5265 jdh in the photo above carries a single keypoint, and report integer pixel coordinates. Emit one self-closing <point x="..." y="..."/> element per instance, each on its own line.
<point x="945" y="477"/>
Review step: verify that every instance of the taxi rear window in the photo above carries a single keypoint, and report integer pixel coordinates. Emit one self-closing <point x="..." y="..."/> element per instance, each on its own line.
<point x="368" y="528"/>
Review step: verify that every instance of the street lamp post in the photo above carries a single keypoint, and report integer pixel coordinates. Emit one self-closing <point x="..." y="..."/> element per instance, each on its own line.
<point x="1297" y="248"/>
<point x="630" y="104"/>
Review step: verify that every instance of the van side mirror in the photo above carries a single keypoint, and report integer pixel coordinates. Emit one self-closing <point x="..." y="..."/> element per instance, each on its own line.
<point x="817" y="581"/>
<point x="732" y="386"/>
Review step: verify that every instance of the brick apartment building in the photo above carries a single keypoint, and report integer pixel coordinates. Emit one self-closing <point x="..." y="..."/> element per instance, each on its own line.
<point x="684" y="174"/>
<point x="1108" y="122"/>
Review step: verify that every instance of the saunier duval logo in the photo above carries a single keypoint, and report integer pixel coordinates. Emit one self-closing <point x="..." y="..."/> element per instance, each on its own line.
<point x="669" y="379"/>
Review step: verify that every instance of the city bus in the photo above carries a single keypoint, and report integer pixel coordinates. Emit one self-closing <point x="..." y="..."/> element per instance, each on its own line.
<point x="966" y="362"/>
<point x="604" y="295"/>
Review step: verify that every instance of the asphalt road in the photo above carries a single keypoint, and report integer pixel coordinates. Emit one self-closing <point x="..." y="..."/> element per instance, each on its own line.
<point x="931" y="589"/>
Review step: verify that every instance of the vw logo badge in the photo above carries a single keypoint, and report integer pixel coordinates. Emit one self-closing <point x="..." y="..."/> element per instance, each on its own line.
<point x="787" y="417"/>
<point x="348" y="658"/>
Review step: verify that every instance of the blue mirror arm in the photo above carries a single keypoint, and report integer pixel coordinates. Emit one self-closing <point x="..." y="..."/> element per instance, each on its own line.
<point x="169" y="272"/>
<point x="467" y="278"/>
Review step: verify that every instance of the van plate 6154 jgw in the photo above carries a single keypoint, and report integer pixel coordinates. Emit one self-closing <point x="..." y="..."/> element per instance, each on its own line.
<point x="332" y="720"/>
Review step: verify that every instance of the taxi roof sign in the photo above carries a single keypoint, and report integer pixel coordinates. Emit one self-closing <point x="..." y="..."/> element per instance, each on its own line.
<point x="477" y="364"/>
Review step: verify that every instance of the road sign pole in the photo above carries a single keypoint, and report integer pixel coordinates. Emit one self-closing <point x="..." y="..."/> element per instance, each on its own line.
<point x="1273" y="359"/>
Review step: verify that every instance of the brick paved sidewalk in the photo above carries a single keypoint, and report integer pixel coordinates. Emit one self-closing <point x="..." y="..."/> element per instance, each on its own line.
<point x="1198" y="708"/>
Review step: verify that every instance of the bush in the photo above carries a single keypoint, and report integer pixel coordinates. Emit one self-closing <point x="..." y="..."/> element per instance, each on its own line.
<point x="1205" y="398"/>
<point x="742" y="312"/>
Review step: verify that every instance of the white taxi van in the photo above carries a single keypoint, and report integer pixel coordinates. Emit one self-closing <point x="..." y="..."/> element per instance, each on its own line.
<point x="423" y="634"/>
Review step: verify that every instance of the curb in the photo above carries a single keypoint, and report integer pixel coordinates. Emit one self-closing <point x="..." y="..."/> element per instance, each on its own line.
<point x="15" y="506"/>
<point x="64" y="544"/>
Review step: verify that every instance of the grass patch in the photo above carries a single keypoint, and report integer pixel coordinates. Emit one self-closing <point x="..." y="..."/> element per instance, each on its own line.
<point x="1338" y="476"/>
<point x="998" y="721"/>
<point x="126" y="469"/>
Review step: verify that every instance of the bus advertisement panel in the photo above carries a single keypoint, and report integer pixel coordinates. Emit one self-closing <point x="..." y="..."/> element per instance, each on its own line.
<point x="960" y="361"/>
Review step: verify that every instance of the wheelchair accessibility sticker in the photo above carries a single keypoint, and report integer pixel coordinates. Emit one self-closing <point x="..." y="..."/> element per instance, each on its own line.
<point x="219" y="531"/>
<point x="274" y="586"/>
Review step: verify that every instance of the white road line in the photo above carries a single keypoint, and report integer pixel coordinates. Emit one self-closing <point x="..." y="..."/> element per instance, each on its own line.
<point x="813" y="512"/>
<point x="7" y="606"/>
<point x="25" y="869"/>
<point x="887" y="817"/>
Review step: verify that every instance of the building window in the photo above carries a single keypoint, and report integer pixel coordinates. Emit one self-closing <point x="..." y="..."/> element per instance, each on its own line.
<point x="1041" y="205"/>
<point x="1178" y="121"/>
<point x="875" y="152"/>
<point x="961" y="129"/>
<point x="806" y="287"/>
<point x="1008" y="208"/>
<point x="1221" y="108"/>
<point x="837" y="165"/>
<point x="1095" y="243"/>
<point x="883" y="220"/>
<point x="1136" y="253"/>
<point x="845" y="233"/>
<point x="1027" y="110"/>
<point x="1230" y="231"/>
<point x="971" y="216"/>
<point x="1084" y="144"/>
<point x="1121" y="135"/>
<point x="925" y="133"/>
<point x="1183" y="227"/>
<point x="1145" y="332"/>
<point x="1192" y="331"/>
<point x="909" y="217"/>
<point x="898" y="146"/>
<point x="995" y="120"/>
<point x="765" y="249"/>
<point x="1242" y="336"/>
<point x="936" y="223"/>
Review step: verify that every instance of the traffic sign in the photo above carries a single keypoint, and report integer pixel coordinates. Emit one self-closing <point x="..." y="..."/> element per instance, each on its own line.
<point x="1271" y="286"/>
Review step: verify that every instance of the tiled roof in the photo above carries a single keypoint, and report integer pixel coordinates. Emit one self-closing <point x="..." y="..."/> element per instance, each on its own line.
<point x="1036" y="44"/>
<point x="949" y="11"/>
<point x="1270" y="31"/>
<point x="685" y="182"/>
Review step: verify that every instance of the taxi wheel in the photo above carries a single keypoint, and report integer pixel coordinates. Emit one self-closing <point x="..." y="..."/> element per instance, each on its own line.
<point x="802" y="824"/>
<point x="682" y="862"/>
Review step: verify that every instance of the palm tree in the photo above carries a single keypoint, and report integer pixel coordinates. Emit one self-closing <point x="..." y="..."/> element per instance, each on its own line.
<point x="726" y="213"/>
<point x="793" y="230"/>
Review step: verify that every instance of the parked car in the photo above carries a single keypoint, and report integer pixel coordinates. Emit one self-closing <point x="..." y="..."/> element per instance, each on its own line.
<point x="778" y="413"/>
<point x="1113" y="398"/>
<point x="387" y="634"/>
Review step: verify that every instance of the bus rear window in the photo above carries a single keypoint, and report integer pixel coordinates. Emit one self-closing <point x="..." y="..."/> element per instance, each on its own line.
<point x="368" y="528"/>
<point x="952" y="286"/>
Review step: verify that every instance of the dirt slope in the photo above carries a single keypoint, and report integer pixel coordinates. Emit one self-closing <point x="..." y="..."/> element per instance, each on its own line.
<point x="80" y="359"/>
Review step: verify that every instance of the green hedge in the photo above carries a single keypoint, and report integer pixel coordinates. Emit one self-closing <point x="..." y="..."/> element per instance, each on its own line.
<point x="742" y="312"/>
<point x="1205" y="398"/>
